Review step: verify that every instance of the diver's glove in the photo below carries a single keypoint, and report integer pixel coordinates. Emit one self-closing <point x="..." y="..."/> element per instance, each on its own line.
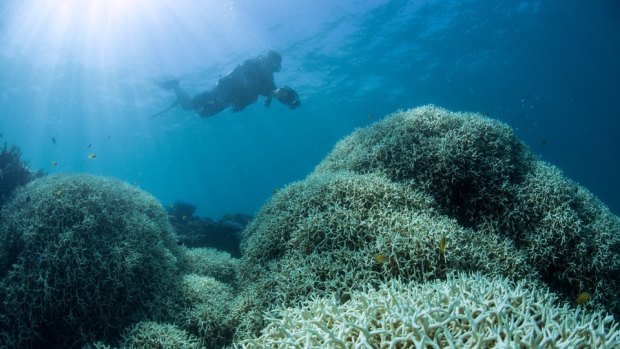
<point x="287" y="96"/>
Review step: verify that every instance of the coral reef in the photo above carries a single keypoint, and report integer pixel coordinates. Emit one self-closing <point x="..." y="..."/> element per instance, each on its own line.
<point x="428" y="229"/>
<point x="479" y="173"/>
<point x="152" y="335"/>
<point x="211" y="262"/>
<point x="207" y="310"/>
<point x="201" y="309"/>
<point x="423" y="193"/>
<point x="569" y="237"/>
<point x="320" y="237"/>
<point x="13" y="172"/>
<point x="468" y="163"/>
<point x="80" y="258"/>
<point x="464" y="311"/>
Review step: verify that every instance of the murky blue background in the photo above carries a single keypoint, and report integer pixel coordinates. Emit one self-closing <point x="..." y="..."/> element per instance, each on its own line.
<point x="83" y="72"/>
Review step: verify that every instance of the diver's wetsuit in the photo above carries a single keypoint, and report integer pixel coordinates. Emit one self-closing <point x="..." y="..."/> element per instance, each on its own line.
<point x="238" y="89"/>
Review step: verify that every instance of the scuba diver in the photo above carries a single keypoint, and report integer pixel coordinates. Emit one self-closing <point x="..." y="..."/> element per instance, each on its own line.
<point x="238" y="89"/>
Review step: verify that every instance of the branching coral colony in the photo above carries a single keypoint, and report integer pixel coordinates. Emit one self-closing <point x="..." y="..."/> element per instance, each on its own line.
<point x="80" y="258"/>
<point x="464" y="311"/>
<point x="419" y="195"/>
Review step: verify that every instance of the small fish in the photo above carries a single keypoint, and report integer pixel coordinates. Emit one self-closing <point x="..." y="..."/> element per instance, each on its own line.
<point x="380" y="258"/>
<point x="90" y="145"/>
<point x="442" y="245"/>
<point x="1" y="135"/>
<point x="109" y="136"/>
<point x="370" y="116"/>
<point x="92" y="155"/>
<point x="54" y="163"/>
<point x="583" y="298"/>
<point x="184" y="218"/>
<point x="58" y="193"/>
<point x="53" y="140"/>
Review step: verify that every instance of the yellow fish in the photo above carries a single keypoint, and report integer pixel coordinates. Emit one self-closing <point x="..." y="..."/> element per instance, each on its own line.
<point x="92" y="155"/>
<point x="380" y="258"/>
<point x="583" y="298"/>
<point x="54" y="163"/>
<point x="442" y="245"/>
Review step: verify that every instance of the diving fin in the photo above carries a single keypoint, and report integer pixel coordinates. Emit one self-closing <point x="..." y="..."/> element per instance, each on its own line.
<point x="174" y="104"/>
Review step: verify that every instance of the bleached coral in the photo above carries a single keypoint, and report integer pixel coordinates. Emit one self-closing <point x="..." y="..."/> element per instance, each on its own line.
<point x="568" y="235"/>
<point x="211" y="262"/>
<point x="152" y="335"/>
<point x="320" y="237"/>
<point x="467" y="162"/>
<point x="81" y="257"/>
<point x="464" y="311"/>
<point x="396" y="191"/>
<point x="208" y="302"/>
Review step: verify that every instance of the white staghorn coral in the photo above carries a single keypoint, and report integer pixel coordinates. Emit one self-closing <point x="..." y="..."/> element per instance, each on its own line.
<point x="464" y="311"/>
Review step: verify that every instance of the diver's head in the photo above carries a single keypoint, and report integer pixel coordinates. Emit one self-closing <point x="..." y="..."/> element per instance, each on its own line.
<point x="273" y="61"/>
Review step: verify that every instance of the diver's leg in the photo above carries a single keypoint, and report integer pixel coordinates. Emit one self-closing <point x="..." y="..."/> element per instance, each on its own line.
<point x="182" y="98"/>
<point x="209" y="103"/>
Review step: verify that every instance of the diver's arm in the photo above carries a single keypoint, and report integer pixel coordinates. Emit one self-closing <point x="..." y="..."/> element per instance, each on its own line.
<point x="269" y="90"/>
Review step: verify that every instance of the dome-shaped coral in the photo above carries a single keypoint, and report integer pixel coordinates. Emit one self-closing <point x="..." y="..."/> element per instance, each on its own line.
<point x="388" y="200"/>
<point x="80" y="258"/>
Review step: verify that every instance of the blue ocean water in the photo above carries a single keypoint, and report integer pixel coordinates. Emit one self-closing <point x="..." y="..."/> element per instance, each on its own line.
<point x="78" y="77"/>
